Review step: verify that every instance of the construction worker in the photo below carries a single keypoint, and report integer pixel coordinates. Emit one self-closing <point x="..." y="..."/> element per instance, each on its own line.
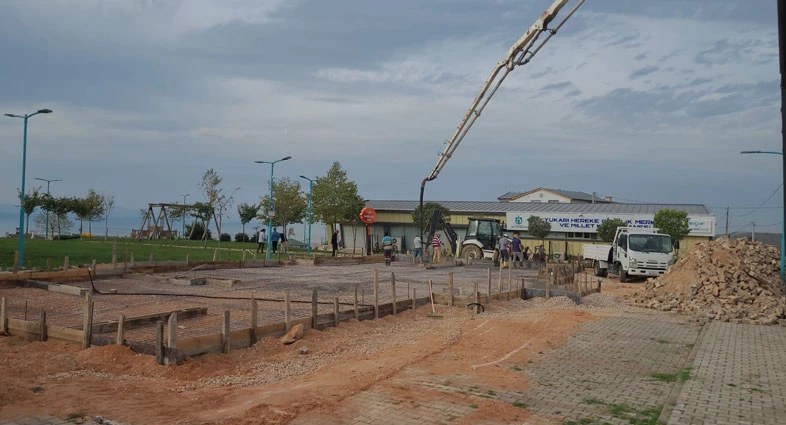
<point x="387" y="247"/>
<point x="517" y="252"/>
<point x="504" y="242"/>
<point x="437" y="245"/>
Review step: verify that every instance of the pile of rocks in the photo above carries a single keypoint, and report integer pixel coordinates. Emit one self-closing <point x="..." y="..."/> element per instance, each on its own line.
<point x="728" y="280"/>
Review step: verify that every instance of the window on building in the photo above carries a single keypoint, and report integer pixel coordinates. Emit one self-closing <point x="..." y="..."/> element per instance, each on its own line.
<point x="535" y="201"/>
<point x="553" y="201"/>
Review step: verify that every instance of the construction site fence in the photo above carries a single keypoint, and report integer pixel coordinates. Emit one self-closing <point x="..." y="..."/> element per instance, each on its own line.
<point x="89" y="319"/>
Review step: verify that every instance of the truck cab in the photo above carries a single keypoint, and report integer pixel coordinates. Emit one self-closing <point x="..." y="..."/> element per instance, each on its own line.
<point x="634" y="252"/>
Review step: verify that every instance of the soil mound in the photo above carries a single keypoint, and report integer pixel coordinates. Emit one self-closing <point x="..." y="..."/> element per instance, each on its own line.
<point x="726" y="279"/>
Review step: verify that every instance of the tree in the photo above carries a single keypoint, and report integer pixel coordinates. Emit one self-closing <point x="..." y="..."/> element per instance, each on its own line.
<point x="109" y="204"/>
<point x="608" y="229"/>
<point x="673" y="223"/>
<point x="215" y="198"/>
<point x="32" y="200"/>
<point x="428" y="212"/>
<point x="289" y="206"/>
<point x="538" y="227"/>
<point x="60" y="207"/>
<point x="80" y="208"/>
<point x="335" y="198"/>
<point x="202" y="212"/>
<point x="247" y="212"/>
<point x="95" y="208"/>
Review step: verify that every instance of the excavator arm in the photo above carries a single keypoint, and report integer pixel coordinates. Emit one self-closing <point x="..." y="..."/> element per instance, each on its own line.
<point x="520" y="53"/>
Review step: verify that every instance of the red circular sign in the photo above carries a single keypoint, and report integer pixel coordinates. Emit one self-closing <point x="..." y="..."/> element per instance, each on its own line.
<point x="368" y="215"/>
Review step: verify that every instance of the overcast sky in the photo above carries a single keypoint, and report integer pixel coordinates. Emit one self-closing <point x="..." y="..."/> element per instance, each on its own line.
<point x="643" y="101"/>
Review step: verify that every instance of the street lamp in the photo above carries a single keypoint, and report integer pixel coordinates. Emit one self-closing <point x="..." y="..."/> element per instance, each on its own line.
<point x="310" y="210"/>
<point x="22" y="192"/>
<point x="47" y="212"/>
<point x="183" y="232"/>
<point x="783" y="223"/>
<point x="271" y="212"/>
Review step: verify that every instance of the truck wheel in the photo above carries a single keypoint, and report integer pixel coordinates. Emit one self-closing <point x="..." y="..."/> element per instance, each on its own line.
<point x="623" y="275"/>
<point x="598" y="271"/>
<point x="472" y="251"/>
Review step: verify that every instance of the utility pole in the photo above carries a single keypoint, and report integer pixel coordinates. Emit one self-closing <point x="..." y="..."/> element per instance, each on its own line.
<point x="727" y="222"/>
<point x="782" y="60"/>
<point x="753" y="232"/>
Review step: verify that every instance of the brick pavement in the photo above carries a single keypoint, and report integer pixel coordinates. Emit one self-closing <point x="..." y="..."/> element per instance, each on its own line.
<point x="738" y="376"/>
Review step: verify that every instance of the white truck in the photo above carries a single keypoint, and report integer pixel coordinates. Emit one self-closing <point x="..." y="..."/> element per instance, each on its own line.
<point x="634" y="252"/>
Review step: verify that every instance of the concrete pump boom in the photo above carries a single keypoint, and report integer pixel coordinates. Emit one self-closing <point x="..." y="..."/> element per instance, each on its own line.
<point x="522" y="51"/>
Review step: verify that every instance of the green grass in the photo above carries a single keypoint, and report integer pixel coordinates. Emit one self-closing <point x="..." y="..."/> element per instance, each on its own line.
<point x="682" y="376"/>
<point x="520" y="404"/>
<point x="473" y="406"/>
<point x="83" y="251"/>
<point x="622" y="411"/>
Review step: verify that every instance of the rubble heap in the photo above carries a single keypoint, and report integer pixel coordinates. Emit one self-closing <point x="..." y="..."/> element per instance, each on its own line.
<point x="726" y="279"/>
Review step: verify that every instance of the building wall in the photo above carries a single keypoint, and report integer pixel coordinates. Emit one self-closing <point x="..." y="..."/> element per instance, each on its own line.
<point x="555" y="243"/>
<point x="543" y="196"/>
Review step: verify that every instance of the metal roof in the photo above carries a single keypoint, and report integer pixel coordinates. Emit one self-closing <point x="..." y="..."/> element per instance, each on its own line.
<point x="572" y="194"/>
<point x="478" y="207"/>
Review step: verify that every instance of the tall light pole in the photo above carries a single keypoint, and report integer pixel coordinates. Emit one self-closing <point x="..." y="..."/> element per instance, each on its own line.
<point x="271" y="210"/>
<point x="22" y="192"/>
<point x="310" y="209"/>
<point x="183" y="232"/>
<point x="46" y="236"/>
<point x="783" y="223"/>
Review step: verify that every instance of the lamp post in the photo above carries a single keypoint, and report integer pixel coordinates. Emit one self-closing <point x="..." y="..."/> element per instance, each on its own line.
<point x="310" y="209"/>
<point x="46" y="236"/>
<point x="22" y="192"/>
<point x="783" y="223"/>
<point x="183" y="232"/>
<point x="271" y="212"/>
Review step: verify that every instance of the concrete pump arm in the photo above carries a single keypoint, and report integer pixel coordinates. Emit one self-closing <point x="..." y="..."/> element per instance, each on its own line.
<point x="522" y="51"/>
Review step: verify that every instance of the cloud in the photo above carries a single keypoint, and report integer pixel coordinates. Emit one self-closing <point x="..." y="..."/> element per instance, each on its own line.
<point x="146" y="92"/>
<point x="641" y="72"/>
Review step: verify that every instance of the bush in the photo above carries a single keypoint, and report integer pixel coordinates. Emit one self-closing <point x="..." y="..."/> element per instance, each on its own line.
<point x="198" y="230"/>
<point x="66" y="237"/>
<point x="242" y="237"/>
<point x="225" y="237"/>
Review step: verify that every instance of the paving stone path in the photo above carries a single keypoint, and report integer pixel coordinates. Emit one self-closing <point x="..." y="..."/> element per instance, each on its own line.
<point x="738" y="376"/>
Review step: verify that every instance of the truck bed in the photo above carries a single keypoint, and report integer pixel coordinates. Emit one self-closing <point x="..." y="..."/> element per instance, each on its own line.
<point x="594" y="251"/>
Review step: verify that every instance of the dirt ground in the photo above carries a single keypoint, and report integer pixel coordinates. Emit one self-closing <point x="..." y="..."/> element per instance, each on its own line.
<point x="271" y="383"/>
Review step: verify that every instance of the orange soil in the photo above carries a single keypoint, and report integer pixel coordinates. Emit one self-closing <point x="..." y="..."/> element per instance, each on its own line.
<point x="271" y="383"/>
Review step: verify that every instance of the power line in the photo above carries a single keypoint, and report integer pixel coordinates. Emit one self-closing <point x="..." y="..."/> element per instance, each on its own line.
<point x="762" y="204"/>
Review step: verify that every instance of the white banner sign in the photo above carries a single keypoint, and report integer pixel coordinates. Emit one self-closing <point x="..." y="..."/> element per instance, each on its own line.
<point x="589" y="222"/>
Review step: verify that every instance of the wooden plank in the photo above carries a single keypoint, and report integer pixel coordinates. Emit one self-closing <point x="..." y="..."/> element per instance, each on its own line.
<point x="121" y="330"/>
<point x="42" y="325"/>
<point x="64" y="334"/>
<point x="355" y="305"/>
<point x="226" y="341"/>
<point x="171" y="334"/>
<point x="146" y="319"/>
<point x="393" y="288"/>
<point x="314" y="307"/>
<point x="87" y="320"/>
<point x="450" y="289"/>
<point x="252" y="336"/>
<point x="23" y="326"/>
<point x="4" y="313"/>
<point x="376" y="294"/>
<point x="160" y="342"/>
<point x="287" y="311"/>
<point x="414" y="298"/>
<point x="335" y="312"/>
<point x="202" y="344"/>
